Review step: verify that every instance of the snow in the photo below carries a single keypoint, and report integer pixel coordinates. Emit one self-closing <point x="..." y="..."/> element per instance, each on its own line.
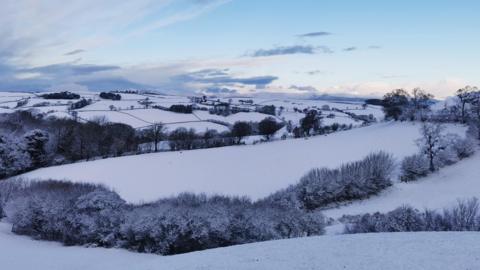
<point x="115" y="117"/>
<point x="231" y="119"/>
<point x="437" y="191"/>
<point x="3" y="110"/>
<point x="252" y="170"/>
<point x="382" y="251"/>
<point x="155" y="115"/>
<point x="197" y="126"/>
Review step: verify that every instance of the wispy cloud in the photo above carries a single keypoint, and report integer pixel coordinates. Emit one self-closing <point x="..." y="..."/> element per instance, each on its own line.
<point x="315" y="34"/>
<point x="315" y="72"/>
<point x="303" y="88"/>
<point x="74" y="52"/>
<point x="66" y="26"/>
<point x="350" y="49"/>
<point x="70" y="69"/>
<point x="289" y="50"/>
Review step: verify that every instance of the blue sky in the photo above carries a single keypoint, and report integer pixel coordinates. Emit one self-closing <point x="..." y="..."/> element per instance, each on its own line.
<point x="240" y="46"/>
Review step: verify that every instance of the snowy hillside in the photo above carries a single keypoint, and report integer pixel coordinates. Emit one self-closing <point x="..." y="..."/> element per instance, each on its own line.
<point x="255" y="171"/>
<point x="136" y="110"/>
<point x="426" y="251"/>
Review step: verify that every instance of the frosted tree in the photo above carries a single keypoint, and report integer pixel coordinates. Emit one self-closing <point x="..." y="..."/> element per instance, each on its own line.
<point x="465" y="96"/>
<point x="35" y="143"/>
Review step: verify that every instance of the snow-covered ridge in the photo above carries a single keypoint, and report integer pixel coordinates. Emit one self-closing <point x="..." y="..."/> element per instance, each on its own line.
<point x="426" y="251"/>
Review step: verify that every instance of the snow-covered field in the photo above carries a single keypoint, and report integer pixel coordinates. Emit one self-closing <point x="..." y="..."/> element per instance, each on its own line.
<point x="130" y="111"/>
<point x="385" y="251"/>
<point x="252" y="170"/>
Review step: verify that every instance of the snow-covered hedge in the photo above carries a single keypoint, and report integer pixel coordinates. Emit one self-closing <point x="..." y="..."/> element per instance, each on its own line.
<point x="355" y="180"/>
<point x="465" y="216"/>
<point x="414" y="167"/>
<point x="85" y="214"/>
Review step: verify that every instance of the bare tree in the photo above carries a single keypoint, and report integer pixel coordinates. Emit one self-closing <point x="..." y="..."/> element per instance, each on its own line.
<point x="420" y="101"/>
<point x="156" y="134"/>
<point x="431" y="142"/>
<point x="241" y="129"/>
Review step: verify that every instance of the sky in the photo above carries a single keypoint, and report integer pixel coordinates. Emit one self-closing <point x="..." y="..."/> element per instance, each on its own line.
<point x="232" y="47"/>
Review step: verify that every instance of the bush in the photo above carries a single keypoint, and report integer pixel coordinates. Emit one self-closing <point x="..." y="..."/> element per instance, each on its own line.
<point x="355" y="180"/>
<point x="447" y="157"/>
<point x="465" y="216"/>
<point x="40" y="209"/>
<point x="464" y="147"/>
<point x="414" y="167"/>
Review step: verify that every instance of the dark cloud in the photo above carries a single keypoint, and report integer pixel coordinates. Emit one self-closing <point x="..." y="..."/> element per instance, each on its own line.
<point x="288" y="50"/>
<point x="315" y="34"/>
<point x="257" y="80"/>
<point x="74" y="52"/>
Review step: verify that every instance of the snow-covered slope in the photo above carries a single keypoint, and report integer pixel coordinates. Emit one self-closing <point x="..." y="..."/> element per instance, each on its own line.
<point x="426" y="251"/>
<point x="255" y="171"/>
<point x="437" y="191"/>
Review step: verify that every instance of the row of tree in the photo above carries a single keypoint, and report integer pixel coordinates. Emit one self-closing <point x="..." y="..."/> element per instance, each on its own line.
<point x="187" y="139"/>
<point x="85" y="214"/>
<point x="402" y="105"/>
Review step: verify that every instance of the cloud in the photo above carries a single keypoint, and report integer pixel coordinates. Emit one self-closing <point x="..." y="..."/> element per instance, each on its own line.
<point x="220" y="90"/>
<point x="74" y="52"/>
<point x="303" y="88"/>
<point x="109" y="84"/>
<point x="219" y="77"/>
<point x="289" y="50"/>
<point x="350" y="49"/>
<point x="315" y="72"/>
<point x="315" y="34"/>
<point x="374" y="47"/>
<point x="69" y="69"/>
